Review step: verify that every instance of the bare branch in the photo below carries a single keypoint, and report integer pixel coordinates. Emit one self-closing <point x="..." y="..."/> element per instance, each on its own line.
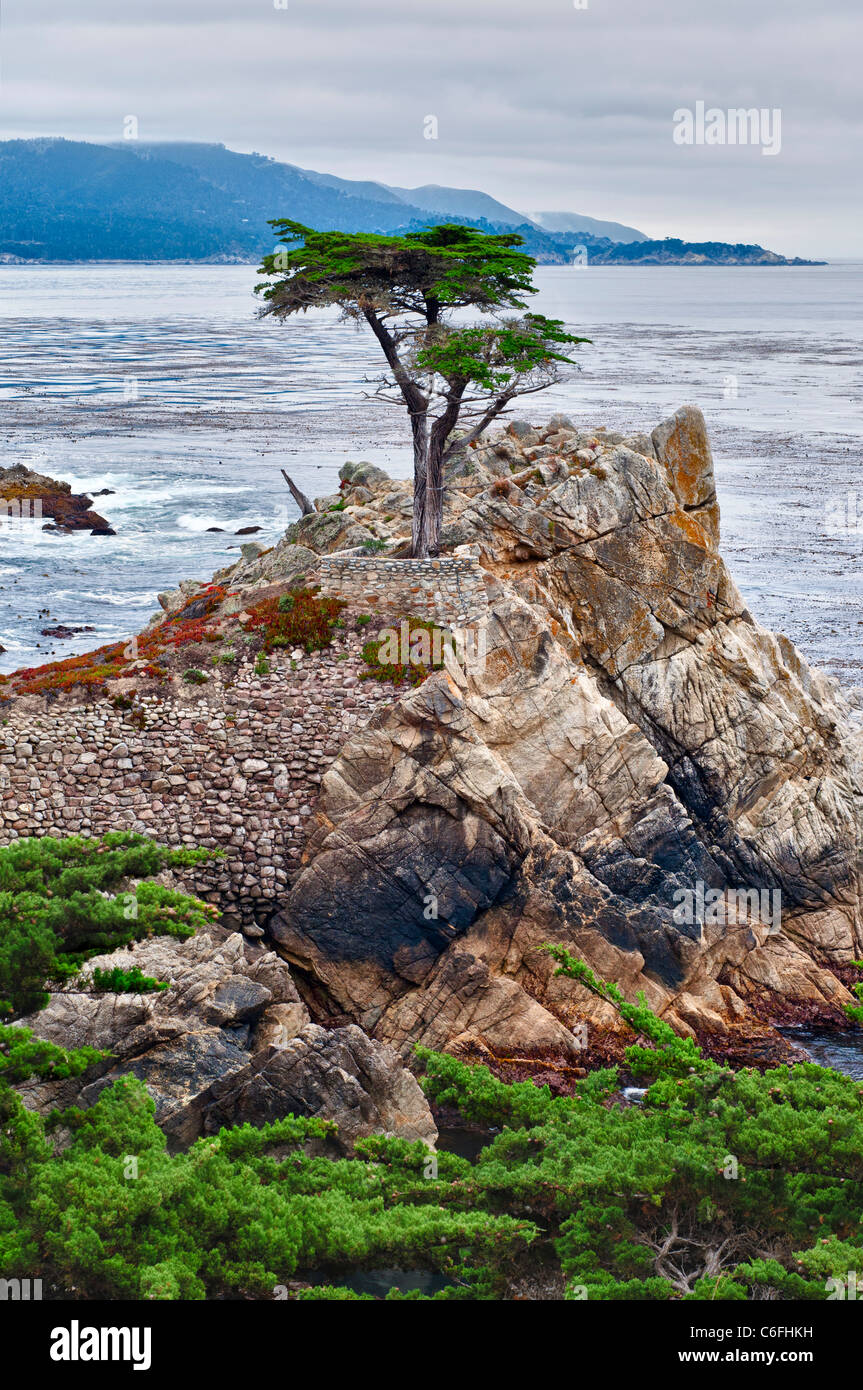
<point x="302" y="501"/>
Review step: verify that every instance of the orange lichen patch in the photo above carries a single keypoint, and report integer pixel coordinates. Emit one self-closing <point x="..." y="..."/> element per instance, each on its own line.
<point x="18" y="490"/>
<point x="500" y="663"/>
<point x="691" y="528"/>
<point x="685" y="469"/>
<point x="58" y="504"/>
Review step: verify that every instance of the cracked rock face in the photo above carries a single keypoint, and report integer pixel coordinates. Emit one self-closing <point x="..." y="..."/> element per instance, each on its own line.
<point x="634" y="740"/>
<point x="637" y="770"/>
<point x="229" y="1042"/>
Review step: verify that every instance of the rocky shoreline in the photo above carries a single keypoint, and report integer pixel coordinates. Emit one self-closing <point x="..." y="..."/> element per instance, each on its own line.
<point x="632" y="743"/>
<point x="26" y="495"/>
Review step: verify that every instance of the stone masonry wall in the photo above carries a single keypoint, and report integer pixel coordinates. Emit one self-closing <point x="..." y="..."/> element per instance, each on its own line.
<point x="237" y="768"/>
<point x="237" y="764"/>
<point x="449" y="590"/>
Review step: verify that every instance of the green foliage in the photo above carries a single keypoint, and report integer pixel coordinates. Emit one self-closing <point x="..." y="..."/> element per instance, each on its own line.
<point x="855" y="1011"/>
<point x="121" y="981"/>
<point x="671" y="1055"/>
<point x="238" y="1214"/>
<point x="721" y="1186"/>
<point x="61" y="901"/>
<point x="194" y="677"/>
<point x="496" y="358"/>
<point x="22" y="1057"/>
<point x="306" y="621"/>
<point x="714" y="1169"/>
<point x="111" y="1214"/>
<point x="425" y="274"/>
<point x="408" y="289"/>
<point x="420" y="643"/>
<point x="448" y="265"/>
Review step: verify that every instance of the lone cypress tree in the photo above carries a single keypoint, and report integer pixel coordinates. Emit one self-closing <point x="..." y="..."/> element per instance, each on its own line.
<point x="408" y="289"/>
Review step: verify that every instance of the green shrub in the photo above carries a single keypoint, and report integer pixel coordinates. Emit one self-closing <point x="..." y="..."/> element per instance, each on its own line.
<point x="399" y="672"/>
<point x="194" y="676"/>
<point x="57" y="908"/>
<point x="855" y="1011"/>
<point x="676" y="1198"/>
<point x="120" y="981"/>
<point x="625" y="1202"/>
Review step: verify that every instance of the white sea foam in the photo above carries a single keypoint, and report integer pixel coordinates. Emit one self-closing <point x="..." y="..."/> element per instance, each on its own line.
<point x="131" y="598"/>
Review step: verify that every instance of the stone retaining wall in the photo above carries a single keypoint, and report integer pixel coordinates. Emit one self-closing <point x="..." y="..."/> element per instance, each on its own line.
<point x="449" y="590"/>
<point x="238" y="768"/>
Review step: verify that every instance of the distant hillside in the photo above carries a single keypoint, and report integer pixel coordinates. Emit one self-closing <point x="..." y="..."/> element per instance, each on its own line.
<point x="574" y="222"/>
<point x="67" y="200"/>
<point x="461" y="203"/>
<point x="671" y="251"/>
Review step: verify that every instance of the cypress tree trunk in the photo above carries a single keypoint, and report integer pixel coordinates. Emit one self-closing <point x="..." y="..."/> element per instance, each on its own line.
<point x="428" y="494"/>
<point x="428" y="503"/>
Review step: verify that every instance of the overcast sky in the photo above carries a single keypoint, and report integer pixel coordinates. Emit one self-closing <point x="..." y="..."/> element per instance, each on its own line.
<point x="538" y="102"/>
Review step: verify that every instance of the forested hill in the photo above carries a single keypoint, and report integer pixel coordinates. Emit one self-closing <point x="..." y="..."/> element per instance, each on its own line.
<point x="66" y="200"/>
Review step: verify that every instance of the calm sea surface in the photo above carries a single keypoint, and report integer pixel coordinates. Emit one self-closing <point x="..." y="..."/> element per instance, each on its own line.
<point x="159" y="383"/>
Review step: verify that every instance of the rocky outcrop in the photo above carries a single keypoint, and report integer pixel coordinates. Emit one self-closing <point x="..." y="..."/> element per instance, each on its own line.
<point x="635" y="769"/>
<point x="28" y="495"/>
<point x="635" y="743"/>
<point x="229" y="1042"/>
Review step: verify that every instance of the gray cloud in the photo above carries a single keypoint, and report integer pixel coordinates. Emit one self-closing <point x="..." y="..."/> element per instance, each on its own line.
<point x="539" y="103"/>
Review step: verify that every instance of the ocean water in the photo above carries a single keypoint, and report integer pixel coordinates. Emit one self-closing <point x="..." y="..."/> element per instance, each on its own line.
<point x="840" y="1050"/>
<point x="161" y="384"/>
